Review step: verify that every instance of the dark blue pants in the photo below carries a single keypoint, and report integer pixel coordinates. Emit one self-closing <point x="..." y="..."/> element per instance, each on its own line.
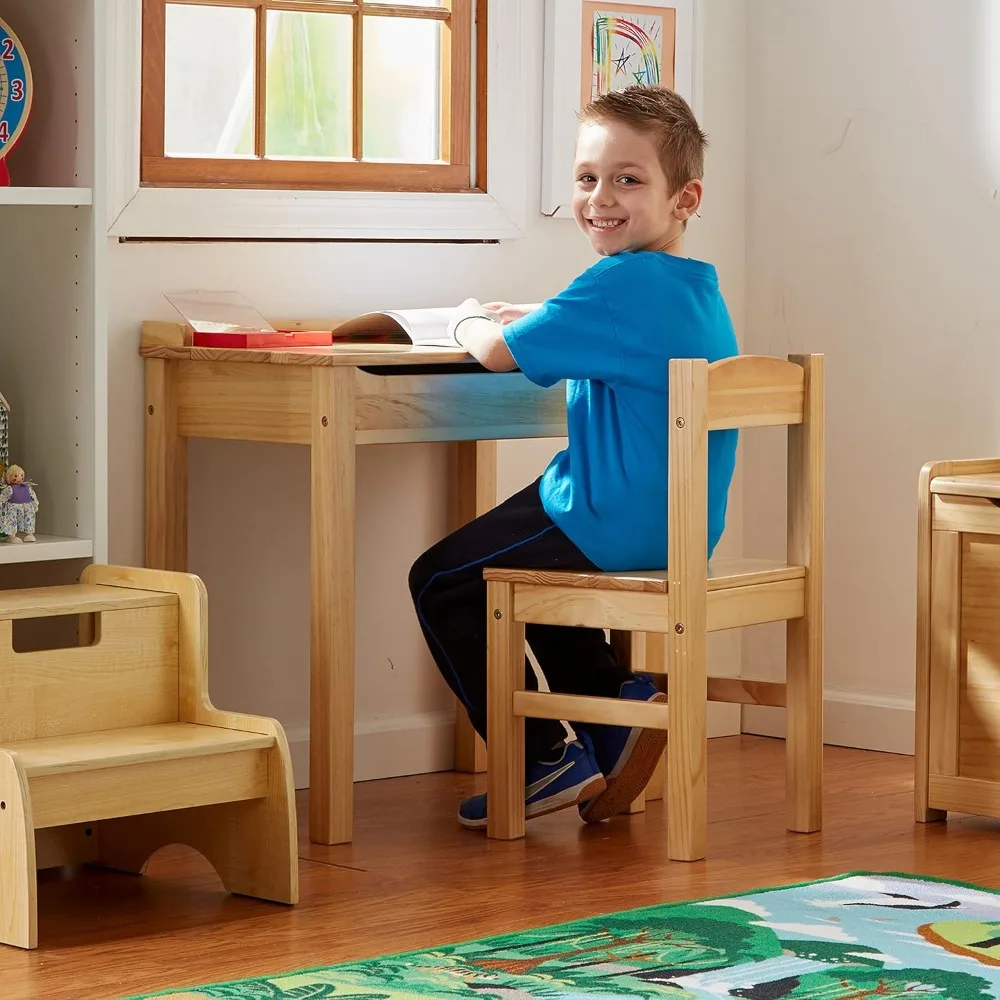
<point x="449" y="595"/>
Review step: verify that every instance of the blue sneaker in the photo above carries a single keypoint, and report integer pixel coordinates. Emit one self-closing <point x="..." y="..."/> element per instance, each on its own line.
<point x="627" y="757"/>
<point x="572" y="778"/>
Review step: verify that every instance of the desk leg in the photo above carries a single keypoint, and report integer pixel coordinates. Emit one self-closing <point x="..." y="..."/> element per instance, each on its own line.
<point x="331" y="652"/>
<point x="166" y="471"/>
<point x="473" y="491"/>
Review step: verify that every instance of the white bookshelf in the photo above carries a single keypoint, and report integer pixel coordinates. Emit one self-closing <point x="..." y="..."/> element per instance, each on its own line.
<point x="53" y="329"/>
<point x="71" y="196"/>
<point x="47" y="548"/>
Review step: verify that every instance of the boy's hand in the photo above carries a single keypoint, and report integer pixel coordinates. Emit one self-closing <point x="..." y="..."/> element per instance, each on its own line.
<point x="506" y="312"/>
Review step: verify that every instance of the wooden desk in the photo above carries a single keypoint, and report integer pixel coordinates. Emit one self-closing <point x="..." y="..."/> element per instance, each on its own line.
<point x="331" y="399"/>
<point x="957" y="755"/>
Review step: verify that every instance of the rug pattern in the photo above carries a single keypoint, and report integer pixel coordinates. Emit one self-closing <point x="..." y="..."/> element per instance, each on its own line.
<point x="860" y="936"/>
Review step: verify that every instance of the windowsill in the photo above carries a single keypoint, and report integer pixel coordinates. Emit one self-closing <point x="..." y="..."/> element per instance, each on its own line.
<point x="185" y="213"/>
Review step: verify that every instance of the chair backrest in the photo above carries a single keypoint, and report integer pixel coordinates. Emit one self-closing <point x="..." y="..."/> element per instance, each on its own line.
<point x="738" y="392"/>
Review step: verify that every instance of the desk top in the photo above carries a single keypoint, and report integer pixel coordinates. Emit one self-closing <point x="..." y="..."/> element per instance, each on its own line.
<point x="349" y="355"/>
<point x="169" y="342"/>
<point x="983" y="484"/>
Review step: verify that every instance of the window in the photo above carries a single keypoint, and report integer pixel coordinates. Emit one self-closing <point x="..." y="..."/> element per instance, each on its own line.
<point x="321" y="94"/>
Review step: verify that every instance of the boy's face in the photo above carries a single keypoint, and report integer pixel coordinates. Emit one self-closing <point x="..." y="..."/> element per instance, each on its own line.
<point x="621" y="198"/>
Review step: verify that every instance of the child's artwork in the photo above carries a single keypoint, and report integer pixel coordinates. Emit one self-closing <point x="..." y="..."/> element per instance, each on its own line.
<point x="593" y="47"/>
<point x="626" y="45"/>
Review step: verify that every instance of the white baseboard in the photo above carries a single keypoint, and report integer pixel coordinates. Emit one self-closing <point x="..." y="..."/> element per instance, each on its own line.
<point x="422" y="744"/>
<point x="850" y="719"/>
<point x="387" y="748"/>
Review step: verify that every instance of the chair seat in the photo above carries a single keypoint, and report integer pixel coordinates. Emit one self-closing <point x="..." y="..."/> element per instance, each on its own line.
<point x="723" y="574"/>
<point x="137" y="745"/>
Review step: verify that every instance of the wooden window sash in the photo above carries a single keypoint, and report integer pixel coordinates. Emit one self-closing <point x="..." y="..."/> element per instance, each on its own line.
<point x="457" y="94"/>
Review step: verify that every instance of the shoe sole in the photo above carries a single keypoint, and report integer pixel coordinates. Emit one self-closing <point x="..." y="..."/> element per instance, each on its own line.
<point x="633" y="776"/>
<point x="569" y="797"/>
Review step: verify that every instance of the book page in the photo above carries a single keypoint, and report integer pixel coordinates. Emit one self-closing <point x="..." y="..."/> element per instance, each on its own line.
<point x="372" y="328"/>
<point x="423" y="327"/>
<point x="426" y="327"/>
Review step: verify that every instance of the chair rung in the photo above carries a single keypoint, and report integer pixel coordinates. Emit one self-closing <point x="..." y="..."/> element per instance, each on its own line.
<point x="742" y="691"/>
<point x="616" y="712"/>
<point x="580" y="708"/>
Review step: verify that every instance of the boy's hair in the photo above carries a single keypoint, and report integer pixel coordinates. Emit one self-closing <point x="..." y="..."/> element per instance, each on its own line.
<point x="667" y="118"/>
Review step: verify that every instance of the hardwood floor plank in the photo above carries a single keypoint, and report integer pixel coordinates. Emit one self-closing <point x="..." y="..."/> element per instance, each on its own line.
<point x="412" y="878"/>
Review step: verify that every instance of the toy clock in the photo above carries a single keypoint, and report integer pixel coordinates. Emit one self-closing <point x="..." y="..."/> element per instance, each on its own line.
<point x="15" y="95"/>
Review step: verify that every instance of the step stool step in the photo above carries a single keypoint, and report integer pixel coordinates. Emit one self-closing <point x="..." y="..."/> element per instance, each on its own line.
<point x="73" y="599"/>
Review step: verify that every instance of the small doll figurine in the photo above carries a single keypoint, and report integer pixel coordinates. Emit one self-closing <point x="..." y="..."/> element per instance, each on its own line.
<point x="18" y="506"/>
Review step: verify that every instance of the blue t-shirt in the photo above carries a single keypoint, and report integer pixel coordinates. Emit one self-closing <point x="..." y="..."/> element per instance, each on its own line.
<point x="611" y="334"/>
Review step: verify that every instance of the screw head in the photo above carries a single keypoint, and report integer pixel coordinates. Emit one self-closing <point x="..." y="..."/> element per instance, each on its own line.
<point x="679" y="628"/>
<point x="149" y="409"/>
<point x="325" y="421"/>
<point x="680" y="422"/>
<point x="497" y="613"/>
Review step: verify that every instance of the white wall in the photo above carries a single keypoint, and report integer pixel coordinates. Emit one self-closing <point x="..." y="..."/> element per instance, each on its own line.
<point x="873" y="237"/>
<point x="256" y="568"/>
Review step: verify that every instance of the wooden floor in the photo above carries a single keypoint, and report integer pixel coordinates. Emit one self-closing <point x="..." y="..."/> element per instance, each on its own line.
<point x="413" y="878"/>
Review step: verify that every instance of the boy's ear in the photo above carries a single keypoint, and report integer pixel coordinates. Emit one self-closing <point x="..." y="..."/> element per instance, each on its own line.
<point x="689" y="200"/>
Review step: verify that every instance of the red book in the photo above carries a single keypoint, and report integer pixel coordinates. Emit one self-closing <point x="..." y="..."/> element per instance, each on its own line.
<point x="263" y="339"/>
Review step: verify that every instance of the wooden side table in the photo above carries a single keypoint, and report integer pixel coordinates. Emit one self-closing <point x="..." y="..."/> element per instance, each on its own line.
<point x="957" y="760"/>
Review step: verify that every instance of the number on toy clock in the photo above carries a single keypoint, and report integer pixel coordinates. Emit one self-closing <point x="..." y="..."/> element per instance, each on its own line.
<point x="15" y="94"/>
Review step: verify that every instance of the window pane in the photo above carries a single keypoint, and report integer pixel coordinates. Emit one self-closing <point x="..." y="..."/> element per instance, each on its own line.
<point x="209" y="81"/>
<point x="402" y="89"/>
<point x="309" y="81"/>
<point x="408" y="3"/>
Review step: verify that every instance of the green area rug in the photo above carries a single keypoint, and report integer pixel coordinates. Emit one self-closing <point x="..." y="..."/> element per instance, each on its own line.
<point x="860" y="936"/>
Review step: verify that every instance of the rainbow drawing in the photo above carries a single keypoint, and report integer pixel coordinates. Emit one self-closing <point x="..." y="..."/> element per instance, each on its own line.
<point x="627" y="47"/>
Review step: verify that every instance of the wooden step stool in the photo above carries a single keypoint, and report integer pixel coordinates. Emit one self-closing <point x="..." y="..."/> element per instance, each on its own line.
<point x="112" y="749"/>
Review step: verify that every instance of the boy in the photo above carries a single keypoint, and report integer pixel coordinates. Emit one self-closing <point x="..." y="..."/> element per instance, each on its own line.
<point x="601" y="503"/>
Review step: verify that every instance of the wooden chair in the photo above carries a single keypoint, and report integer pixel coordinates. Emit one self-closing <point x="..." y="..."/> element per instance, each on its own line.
<point x="111" y="749"/>
<point x="685" y="603"/>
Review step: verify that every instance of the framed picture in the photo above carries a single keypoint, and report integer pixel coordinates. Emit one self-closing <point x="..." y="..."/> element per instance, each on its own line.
<point x="592" y="48"/>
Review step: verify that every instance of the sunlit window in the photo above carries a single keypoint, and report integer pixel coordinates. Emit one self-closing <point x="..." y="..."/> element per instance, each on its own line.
<point x="342" y="94"/>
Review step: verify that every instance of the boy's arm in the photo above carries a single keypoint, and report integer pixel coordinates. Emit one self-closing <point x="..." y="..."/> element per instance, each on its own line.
<point x="572" y="335"/>
<point x="481" y="335"/>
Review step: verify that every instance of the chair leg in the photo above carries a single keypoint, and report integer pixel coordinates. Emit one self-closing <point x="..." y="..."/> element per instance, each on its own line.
<point x="655" y="662"/>
<point x="505" y="676"/>
<point x="657" y="787"/>
<point x="687" y="756"/>
<point x="18" y="876"/>
<point x="804" y="725"/>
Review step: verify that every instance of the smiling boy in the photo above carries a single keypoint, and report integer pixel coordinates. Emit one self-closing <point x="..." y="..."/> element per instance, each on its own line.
<point x="602" y="502"/>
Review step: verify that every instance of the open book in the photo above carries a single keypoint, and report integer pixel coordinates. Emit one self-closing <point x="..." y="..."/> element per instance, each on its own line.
<point x="420" y="327"/>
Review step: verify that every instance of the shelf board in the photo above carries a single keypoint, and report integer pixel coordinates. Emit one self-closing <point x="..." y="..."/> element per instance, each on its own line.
<point x="45" y="549"/>
<point x="46" y="196"/>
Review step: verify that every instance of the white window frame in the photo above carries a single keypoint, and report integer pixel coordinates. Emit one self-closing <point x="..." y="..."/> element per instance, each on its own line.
<point x="213" y="213"/>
